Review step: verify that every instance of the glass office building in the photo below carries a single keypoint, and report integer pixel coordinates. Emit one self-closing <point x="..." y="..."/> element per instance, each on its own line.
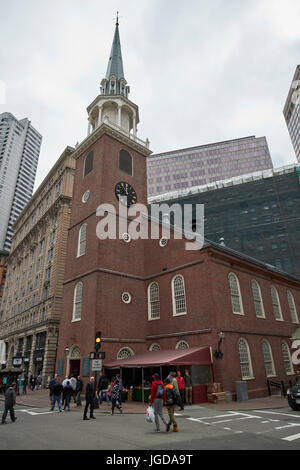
<point x="256" y="214"/>
<point x="291" y="112"/>
<point x="185" y="168"/>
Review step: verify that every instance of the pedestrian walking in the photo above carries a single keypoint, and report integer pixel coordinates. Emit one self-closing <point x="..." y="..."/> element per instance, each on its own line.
<point x="52" y="382"/>
<point x="67" y="394"/>
<point x="188" y="387"/>
<point x="9" y="403"/>
<point x="32" y="382"/>
<point x="4" y="382"/>
<point x="158" y="398"/>
<point x="38" y="381"/>
<point x="79" y="388"/>
<point x="25" y="385"/>
<point x="103" y="389"/>
<point x="56" y="396"/>
<point x="116" y="402"/>
<point x="171" y="403"/>
<point x="181" y="388"/>
<point x="73" y="385"/>
<point x="89" y="399"/>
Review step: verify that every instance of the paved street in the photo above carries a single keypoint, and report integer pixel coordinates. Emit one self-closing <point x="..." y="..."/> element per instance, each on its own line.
<point x="200" y="428"/>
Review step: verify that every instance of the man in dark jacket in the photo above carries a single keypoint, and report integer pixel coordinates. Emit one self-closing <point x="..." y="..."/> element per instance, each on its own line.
<point x="10" y="401"/>
<point x="56" y="397"/>
<point x="79" y="388"/>
<point x="89" y="398"/>
<point x="67" y="394"/>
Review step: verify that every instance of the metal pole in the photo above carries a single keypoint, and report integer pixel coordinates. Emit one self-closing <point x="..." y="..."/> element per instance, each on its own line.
<point x="142" y="384"/>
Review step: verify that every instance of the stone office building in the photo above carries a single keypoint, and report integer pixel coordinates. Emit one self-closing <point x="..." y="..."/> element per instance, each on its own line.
<point x="31" y="304"/>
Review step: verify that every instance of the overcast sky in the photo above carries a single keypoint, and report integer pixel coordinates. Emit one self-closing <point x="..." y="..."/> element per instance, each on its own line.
<point x="201" y="71"/>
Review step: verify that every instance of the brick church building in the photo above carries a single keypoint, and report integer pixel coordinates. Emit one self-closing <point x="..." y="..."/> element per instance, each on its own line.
<point x="152" y="296"/>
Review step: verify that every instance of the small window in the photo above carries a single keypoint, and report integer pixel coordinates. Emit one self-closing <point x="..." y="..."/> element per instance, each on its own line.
<point x="292" y="306"/>
<point x="268" y="359"/>
<point x="182" y="345"/>
<point x="276" y="304"/>
<point x="236" y="298"/>
<point x="178" y="291"/>
<point x="153" y="301"/>
<point x="154" y="347"/>
<point x="77" y="305"/>
<point x="286" y="356"/>
<point x="258" y="303"/>
<point x="245" y="359"/>
<point x="124" y="353"/>
<point x="126" y="162"/>
<point x="82" y="241"/>
<point x="88" y="164"/>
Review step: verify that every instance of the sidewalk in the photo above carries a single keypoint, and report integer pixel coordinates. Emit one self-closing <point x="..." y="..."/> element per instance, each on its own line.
<point x="40" y="399"/>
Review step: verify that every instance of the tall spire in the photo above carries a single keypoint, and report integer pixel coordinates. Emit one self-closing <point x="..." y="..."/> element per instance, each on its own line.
<point x="115" y="63"/>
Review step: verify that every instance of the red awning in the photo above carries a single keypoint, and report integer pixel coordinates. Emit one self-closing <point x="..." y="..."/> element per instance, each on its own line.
<point x="170" y="357"/>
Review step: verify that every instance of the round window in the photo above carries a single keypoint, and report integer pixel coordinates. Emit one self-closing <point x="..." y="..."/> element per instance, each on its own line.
<point x="86" y="196"/>
<point x="126" y="237"/>
<point x="126" y="297"/>
<point x="163" y="241"/>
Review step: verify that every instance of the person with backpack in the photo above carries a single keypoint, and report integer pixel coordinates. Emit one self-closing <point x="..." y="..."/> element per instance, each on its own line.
<point x="103" y="389"/>
<point x="158" y="398"/>
<point x="171" y="403"/>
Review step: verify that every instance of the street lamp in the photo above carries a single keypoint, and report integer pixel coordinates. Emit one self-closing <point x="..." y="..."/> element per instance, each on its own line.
<point x="218" y="353"/>
<point x="67" y="350"/>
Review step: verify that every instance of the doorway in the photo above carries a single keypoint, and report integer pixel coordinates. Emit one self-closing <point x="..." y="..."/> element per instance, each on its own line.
<point x="74" y="367"/>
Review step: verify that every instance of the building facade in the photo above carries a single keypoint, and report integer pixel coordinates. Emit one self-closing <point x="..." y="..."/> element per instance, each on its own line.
<point x="149" y="294"/>
<point x="31" y="303"/>
<point x="185" y="168"/>
<point x="256" y="214"/>
<point x="291" y="112"/>
<point x="3" y="267"/>
<point x="20" y="147"/>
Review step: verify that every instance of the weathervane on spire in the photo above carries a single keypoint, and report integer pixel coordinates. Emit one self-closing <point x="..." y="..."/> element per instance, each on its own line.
<point x="117" y="20"/>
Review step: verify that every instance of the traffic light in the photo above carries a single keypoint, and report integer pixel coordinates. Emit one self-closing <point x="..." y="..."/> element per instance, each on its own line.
<point x="98" y="340"/>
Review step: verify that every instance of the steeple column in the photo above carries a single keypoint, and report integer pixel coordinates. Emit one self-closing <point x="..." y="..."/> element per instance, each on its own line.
<point x="119" y="115"/>
<point x="134" y="125"/>
<point x="89" y="126"/>
<point x="100" y="115"/>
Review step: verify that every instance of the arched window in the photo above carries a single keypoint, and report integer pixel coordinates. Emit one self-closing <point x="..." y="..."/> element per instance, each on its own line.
<point x="154" y="347"/>
<point x="258" y="302"/>
<point x="126" y="162"/>
<point x="153" y="301"/>
<point x="292" y="306"/>
<point x="82" y="240"/>
<point x="286" y="356"/>
<point x="268" y="359"/>
<point x="77" y="303"/>
<point x="125" y="352"/>
<point x="245" y="359"/>
<point x="88" y="164"/>
<point x="182" y="345"/>
<point x="236" y="298"/>
<point x="276" y="304"/>
<point x="178" y="291"/>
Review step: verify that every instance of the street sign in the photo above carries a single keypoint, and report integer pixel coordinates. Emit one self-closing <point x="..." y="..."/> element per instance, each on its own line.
<point x="17" y="361"/>
<point x="96" y="364"/>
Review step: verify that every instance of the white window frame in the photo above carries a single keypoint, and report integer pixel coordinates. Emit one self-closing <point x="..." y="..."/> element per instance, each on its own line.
<point x="249" y="362"/>
<point x="155" y="347"/>
<point x="151" y="302"/>
<point x="292" y="372"/>
<point x="125" y="348"/>
<point x="175" y="314"/>
<point x="292" y="307"/>
<point x="273" y="289"/>
<point x="81" y="246"/>
<point x="182" y="341"/>
<point x="75" y="301"/>
<point x="268" y="360"/>
<point x="232" y="294"/>
<point x="260" y="299"/>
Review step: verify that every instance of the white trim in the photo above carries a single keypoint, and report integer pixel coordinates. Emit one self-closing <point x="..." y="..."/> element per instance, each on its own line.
<point x="263" y="316"/>
<point x="296" y="321"/>
<point x="271" y="357"/>
<point x="74" y="301"/>
<point x="278" y="303"/>
<point x="150" y="318"/>
<point x="292" y="372"/>
<point x="239" y="294"/>
<point x="80" y="241"/>
<point x="251" y="376"/>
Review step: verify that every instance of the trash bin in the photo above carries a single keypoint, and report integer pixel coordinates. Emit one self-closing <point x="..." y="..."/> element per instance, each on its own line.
<point x="241" y="389"/>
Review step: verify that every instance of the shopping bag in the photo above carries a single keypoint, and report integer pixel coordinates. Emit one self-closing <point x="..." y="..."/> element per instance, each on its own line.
<point x="150" y="415"/>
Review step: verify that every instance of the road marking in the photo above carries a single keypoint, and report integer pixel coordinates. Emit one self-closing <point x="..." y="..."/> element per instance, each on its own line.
<point x="277" y="413"/>
<point x="293" y="437"/>
<point x="290" y="425"/>
<point x="33" y="413"/>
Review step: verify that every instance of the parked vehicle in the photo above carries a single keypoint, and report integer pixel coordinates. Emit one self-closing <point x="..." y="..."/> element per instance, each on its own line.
<point x="293" y="396"/>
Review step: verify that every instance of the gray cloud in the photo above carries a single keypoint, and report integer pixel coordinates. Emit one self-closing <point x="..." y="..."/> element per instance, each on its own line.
<point x="200" y="71"/>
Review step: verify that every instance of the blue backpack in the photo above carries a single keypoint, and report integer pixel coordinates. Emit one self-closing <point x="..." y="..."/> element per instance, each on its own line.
<point x="159" y="391"/>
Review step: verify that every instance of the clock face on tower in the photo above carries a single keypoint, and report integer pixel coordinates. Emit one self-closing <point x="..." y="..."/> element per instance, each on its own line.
<point x="124" y="190"/>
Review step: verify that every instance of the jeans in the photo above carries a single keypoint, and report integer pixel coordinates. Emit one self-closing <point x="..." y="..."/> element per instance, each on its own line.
<point x="11" y="411"/>
<point x="78" y="399"/>
<point x="67" y="401"/>
<point x="101" y="394"/>
<point x="158" y="411"/>
<point x="54" y="400"/>
<point x="89" y="402"/>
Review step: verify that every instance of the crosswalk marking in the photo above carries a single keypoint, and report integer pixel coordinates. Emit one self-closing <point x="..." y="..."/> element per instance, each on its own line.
<point x="33" y="413"/>
<point x="293" y="437"/>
